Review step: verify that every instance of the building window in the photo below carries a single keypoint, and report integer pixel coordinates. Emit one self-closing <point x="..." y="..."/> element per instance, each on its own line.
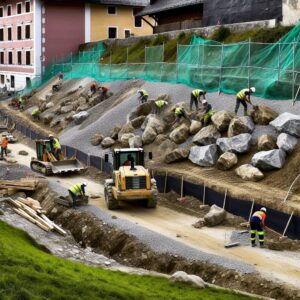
<point x="19" y="8"/>
<point x="19" y="32"/>
<point x="127" y="33"/>
<point x="111" y="10"/>
<point x="12" y="81"/>
<point x="19" y="57"/>
<point x="137" y="20"/>
<point x="28" y="82"/>
<point x="28" y="58"/>
<point x="2" y="58"/>
<point x="1" y="12"/>
<point x="1" y="34"/>
<point x="27" y="6"/>
<point x="2" y="79"/>
<point x="27" y="32"/>
<point x="112" y="32"/>
<point x="8" y="10"/>
<point x="10" y="58"/>
<point x="9" y="33"/>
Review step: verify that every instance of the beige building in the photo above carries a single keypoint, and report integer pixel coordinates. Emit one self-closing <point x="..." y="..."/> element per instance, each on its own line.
<point x="116" y="19"/>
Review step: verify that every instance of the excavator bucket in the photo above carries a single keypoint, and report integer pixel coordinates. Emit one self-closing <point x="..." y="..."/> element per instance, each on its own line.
<point x="68" y="165"/>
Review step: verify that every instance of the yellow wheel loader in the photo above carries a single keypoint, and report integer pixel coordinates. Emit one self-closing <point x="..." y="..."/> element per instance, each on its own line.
<point x="130" y="180"/>
<point x="47" y="164"/>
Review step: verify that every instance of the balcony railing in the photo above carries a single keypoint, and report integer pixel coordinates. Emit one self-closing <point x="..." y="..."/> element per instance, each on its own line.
<point x="188" y="24"/>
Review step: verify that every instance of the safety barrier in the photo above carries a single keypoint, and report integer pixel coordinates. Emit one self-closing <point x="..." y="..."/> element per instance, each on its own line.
<point x="288" y="225"/>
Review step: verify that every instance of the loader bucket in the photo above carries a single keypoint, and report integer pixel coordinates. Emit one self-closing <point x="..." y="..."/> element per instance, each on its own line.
<point x="68" y="165"/>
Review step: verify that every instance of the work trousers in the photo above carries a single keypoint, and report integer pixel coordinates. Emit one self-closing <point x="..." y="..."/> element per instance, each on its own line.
<point x="256" y="228"/>
<point x="3" y="151"/>
<point x="74" y="198"/>
<point x="144" y="99"/>
<point x="238" y="103"/>
<point x="194" y="100"/>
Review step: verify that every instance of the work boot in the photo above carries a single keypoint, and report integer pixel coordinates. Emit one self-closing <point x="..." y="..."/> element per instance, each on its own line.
<point x="253" y="245"/>
<point x="245" y="113"/>
<point x="262" y="246"/>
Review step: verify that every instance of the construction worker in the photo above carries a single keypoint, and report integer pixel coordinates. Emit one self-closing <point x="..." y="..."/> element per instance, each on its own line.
<point x="143" y="96"/>
<point x="4" y="144"/>
<point x="55" y="147"/>
<point x="104" y="93"/>
<point x="179" y="114"/>
<point x="195" y="97"/>
<point x="60" y="76"/>
<point x="257" y="223"/>
<point x="75" y="191"/>
<point x="208" y="112"/>
<point x="20" y="103"/>
<point x="36" y="114"/>
<point x="93" y="87"/>
<point x="242" y="97"/>
<point x="159" y="105"/>
<point x="127" y="162"/>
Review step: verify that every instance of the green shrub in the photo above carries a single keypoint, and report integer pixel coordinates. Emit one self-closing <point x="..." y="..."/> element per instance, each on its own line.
<point x="220" y="34"/>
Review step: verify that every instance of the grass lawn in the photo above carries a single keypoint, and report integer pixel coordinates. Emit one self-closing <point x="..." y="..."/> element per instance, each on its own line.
<point x="27" y="272"/>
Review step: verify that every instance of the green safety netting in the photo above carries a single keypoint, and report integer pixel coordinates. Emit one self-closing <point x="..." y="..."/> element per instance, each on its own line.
<point x="272" y="68"/>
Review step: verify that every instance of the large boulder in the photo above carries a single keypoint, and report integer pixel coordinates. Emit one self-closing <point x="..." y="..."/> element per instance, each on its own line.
<point x="70" y="116"/>
<point x="80" y="117"/>
<point x="137" y="122"/>
<point x="49" y="105"/>
<point x="193" y="280"/>
<point x="47" y="118"/>
<point x="127" y="128"/>
<point x="227" y="161"/>
<point x="82" y="107"/>
<point x="237" y="144"/>
<point x="135" y="142"/>
<point x="221" y="120"/>
<point x="94" y="100"/>
<point x="262" y="114"/>
<point x="167" y="146"/>
<point x="215" y="216"/>
<point x="287" y="123"/>
<point x="269" y="160"/>
<point x="107" y="142"/>
<point x="96" y="139"/>
<point x="176" y="155"/>
<point x="56" y="121"/>
<point x="142" y="110"/>
<point x="266" y="142"/>
<point x="195" y="127"/>
<point x="149" y="135"/>
<point x="154" y="122"/>
<point x="286" y="142"/>
<point x="205" y="156"/>
<point x="115" y="131"/>
<point x="66" y="109"/>
<point x="249" y="173"/>
<point x="161" y="138"/>
<point x="180" y="134"/>
<point x="207" y="136"/>
<point x="125" y="139"/>
<point x="240" y="125"/>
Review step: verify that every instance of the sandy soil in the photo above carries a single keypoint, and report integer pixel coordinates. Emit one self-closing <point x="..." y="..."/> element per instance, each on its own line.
<point x="274" y="265"/>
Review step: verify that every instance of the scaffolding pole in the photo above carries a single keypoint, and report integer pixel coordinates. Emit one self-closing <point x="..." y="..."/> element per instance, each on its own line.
<point x="249" y="61"/>
<point x="220" y="79"/>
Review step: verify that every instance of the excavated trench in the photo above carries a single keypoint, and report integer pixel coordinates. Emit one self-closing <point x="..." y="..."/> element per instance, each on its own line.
<point x="90" y="231"/>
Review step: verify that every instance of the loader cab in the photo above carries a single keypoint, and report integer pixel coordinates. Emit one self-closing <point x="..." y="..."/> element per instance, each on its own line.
<point x="41" y="146"/>
<point x="121" y="157"/>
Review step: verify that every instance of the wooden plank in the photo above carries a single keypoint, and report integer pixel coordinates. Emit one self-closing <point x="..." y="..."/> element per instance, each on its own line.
<point x="56" y="227"/>
<point x="30" y="202"/>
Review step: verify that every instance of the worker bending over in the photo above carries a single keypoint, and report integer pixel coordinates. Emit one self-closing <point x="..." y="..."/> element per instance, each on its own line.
<point x="75" y="191"/>
<point x="20" y="103"/>
<point x="93" y="87"/>
<point x="208" y="112"/>
<point x="257" y="223"/>
<point x="242" y="97"/>
<point x="143" y="96"/>
<point x="195" y="97"/>
<point x="55" y="147"/>
<point x="180" y="114"/>
<point x="4" y="144"/>
<point x="160" y="105"/>
<point x="36" y="114"/>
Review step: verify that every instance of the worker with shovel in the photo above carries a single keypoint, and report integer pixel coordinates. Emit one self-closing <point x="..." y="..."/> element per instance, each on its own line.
<point x="242" y="97"/>
<point x="195" y="97"/>
<point x="75" y="191"/>
<point x="257" y="223"/>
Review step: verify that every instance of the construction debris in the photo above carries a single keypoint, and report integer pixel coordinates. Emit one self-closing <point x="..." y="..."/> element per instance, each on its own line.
<point x="31" y="210"/>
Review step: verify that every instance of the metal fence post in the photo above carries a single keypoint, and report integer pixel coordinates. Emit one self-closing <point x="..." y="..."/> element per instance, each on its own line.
<point x="249" y="61"/>
<point x="278" y="75"/>
<point x="177" y="63"/>
<point x="127" y="63"/>
<point x="293" y="89"/>
<point x="110" y="64"/>
<point x="221" y="70"/>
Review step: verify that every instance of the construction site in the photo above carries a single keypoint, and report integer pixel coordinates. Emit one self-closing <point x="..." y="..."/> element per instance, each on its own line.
<point x="163" y="194"/>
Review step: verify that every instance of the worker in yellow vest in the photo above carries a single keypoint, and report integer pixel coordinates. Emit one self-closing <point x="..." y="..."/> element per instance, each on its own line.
<point x="143" y="96"/>
<point x="179" y="113"/>
<point x="36" y="114"/>
<point x="75" y="191"/>
<point x="55" y="147"/>
<point x="195" y="97"/>
<point x="243" y="97"/>
<point x="160" y="105"/>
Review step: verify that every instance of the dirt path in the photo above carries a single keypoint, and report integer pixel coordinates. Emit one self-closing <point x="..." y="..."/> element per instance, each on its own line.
<point x="284" y="266"/>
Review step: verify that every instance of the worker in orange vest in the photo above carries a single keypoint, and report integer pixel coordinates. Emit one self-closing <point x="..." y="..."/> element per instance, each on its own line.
<point x="4" y="143"/>
<point x="257" y="223"/>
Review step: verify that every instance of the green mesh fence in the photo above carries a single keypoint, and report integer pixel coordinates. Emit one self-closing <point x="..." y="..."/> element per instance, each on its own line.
<point x="272" y="68"/>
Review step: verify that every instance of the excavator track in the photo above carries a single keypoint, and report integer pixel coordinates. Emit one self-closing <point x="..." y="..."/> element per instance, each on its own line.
<point x="40" y="168"/>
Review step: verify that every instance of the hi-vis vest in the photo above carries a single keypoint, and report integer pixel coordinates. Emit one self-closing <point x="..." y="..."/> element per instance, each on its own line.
<point x="241" y="94"/>
<point x="178" y="111"/>
<point x="76" y="189"/>
<point x="260" y="214"/>
<point x="35" y="112"/>
<point x="144" y="93"/>
<point x="56" y="144"/>
<point x="197" y="93"/>
<point x="160" y="103"/>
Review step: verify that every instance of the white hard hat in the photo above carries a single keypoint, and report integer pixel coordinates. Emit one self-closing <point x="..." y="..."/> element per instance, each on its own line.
<point x="167" y="103"/>
<point x="253" y="89"/>
<point x="263" y="209"/>
<point x="138" y="91"/>
<point x="50" y="135"/>
<point x="84" y="183"/>
<point x="204" y="101"/>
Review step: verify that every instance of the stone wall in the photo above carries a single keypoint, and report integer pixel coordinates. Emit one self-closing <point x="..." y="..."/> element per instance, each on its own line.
<point x="290" y="11"/>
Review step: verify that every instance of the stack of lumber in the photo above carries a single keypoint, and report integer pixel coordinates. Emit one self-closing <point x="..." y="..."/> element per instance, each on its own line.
<point x="31" y="210"/>
<point x="10" y="187"/>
